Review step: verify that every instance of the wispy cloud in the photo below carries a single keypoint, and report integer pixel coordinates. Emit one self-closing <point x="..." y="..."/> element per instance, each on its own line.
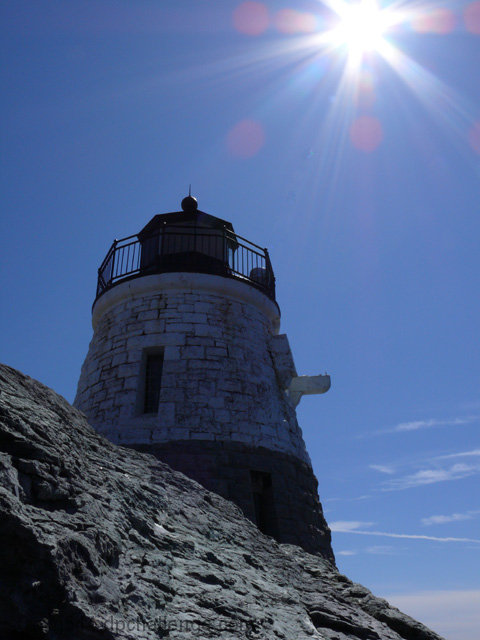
<point x="462" y="454"/>
<point x="374" y="550"/>
<point x="415" y="425"/>
<point x="432" y="476"/>
<point x="337" y="528"/>
<point x="348" y="525"/>
<point x="454" y="517"/>
<point x="427" y="423"/>
<point x="362" y="497"/>
<point x="429" y="471"/>
<point x="382" y="468"/>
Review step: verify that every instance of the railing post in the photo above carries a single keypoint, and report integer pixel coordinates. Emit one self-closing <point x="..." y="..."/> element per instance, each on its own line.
<point x="225" y="246"/>
<point x="114" y="251"/>
<point x="162" y="241"/>
<point x="99" y="280"/>
<point x="271" y="277"/>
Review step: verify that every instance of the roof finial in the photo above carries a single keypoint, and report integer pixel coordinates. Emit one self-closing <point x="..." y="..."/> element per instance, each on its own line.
<point x="189" y="203"/>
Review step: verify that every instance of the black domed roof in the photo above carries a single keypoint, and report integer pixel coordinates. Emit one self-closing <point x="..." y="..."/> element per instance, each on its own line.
<point x="189" y="204"/>
<point x="189" y="216"/>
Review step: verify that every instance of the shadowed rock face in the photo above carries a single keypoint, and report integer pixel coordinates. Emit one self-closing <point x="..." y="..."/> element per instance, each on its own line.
<point x="102" y="542"/>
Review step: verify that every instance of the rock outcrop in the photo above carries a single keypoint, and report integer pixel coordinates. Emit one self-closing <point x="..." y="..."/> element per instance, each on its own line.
<point x="102" y="542"/>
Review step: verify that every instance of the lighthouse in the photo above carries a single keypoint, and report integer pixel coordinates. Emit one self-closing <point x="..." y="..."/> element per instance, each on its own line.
<point x="187" y="363"/>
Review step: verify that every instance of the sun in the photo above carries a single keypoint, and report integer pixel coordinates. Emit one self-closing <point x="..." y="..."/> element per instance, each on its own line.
<point x="361" y="27"/>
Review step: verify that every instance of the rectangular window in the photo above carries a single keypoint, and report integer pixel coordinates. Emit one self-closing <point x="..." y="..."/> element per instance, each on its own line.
<point x="153" y="381"/>
<point x="262" y="495"/>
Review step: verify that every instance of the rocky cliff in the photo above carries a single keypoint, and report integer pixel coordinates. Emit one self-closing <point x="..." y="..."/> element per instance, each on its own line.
<point x="101" y="542"/>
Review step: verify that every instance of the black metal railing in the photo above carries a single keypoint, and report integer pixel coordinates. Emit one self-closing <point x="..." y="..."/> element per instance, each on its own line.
<point x="194" y="249"/>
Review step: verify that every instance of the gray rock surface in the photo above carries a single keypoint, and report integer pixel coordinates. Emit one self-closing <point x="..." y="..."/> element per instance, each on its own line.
<point x="101" y="542"/>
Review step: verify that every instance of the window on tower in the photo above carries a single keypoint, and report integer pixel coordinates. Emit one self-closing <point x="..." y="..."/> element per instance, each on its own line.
<point x="153" y="380"/>
<point x="263" y="502"/>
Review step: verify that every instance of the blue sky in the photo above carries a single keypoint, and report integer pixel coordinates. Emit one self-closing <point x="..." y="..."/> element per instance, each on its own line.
<point x="359" y="173"/>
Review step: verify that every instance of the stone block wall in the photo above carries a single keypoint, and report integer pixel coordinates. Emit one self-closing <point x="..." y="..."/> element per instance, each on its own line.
<point x="224" y="373"/>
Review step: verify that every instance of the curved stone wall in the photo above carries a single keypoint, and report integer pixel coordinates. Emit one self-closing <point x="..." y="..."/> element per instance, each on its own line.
<point x="224" y="374"/>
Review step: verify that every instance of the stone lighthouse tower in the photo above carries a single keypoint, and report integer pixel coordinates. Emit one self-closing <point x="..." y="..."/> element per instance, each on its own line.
<point x="187" y="363"/>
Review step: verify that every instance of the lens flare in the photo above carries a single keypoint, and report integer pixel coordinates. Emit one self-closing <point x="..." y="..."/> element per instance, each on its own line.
<point x="366" y="133"/>
<point x="471" y="16"/>
<point x="291" y="21"/>
<point x="440" y="21"/>
<point x="246" y="139"/>
<point x="251" y="18"/>
<point x="474" y="137"/>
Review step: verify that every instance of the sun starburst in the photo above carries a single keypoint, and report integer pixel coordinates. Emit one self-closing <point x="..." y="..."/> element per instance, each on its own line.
<point x="361" y="27"/>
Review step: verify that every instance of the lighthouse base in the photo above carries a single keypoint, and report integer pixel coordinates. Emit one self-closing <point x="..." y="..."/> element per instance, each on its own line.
<point x="276" y="491"/>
